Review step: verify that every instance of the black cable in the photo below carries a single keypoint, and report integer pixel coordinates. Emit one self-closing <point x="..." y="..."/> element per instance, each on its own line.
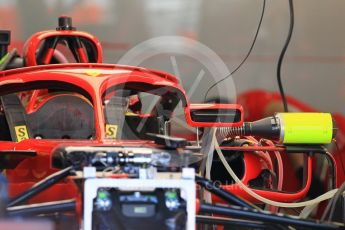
<point x="328" y="207"/>
<point x="282" y="54"/>
<point x="40" y="186"/>
<point x="210" y="220"/>
<point x="42" y="208"/>
<point x="267" y="217"/>
<point x="340" y="155"/>
<point x="247" y="55"/>
<point x="336" y="198"/>
<point x="225" y="195"/>
<point x="332" y="168"/>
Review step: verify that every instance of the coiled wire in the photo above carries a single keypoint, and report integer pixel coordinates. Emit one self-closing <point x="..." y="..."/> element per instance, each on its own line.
<point x="226" y="132"/>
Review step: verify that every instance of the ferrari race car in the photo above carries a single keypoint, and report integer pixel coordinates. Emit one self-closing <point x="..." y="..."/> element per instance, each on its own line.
<point x="87" y="145"/>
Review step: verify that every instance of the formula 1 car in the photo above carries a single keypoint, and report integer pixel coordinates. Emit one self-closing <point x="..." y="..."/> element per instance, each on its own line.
<point x="90" y="144"/>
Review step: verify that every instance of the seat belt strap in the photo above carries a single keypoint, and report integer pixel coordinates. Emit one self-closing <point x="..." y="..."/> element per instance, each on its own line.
<point x="115" y="112"/>
<point x="16" y="117"/>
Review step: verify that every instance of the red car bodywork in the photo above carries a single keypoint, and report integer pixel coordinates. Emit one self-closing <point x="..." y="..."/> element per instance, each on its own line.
<point x="95" y="79"/>
<point x="33" y="169"/>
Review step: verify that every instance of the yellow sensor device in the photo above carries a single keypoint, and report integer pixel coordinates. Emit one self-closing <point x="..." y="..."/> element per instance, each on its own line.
<point x="293" y="128"/>
<point x="310" y="128"/>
